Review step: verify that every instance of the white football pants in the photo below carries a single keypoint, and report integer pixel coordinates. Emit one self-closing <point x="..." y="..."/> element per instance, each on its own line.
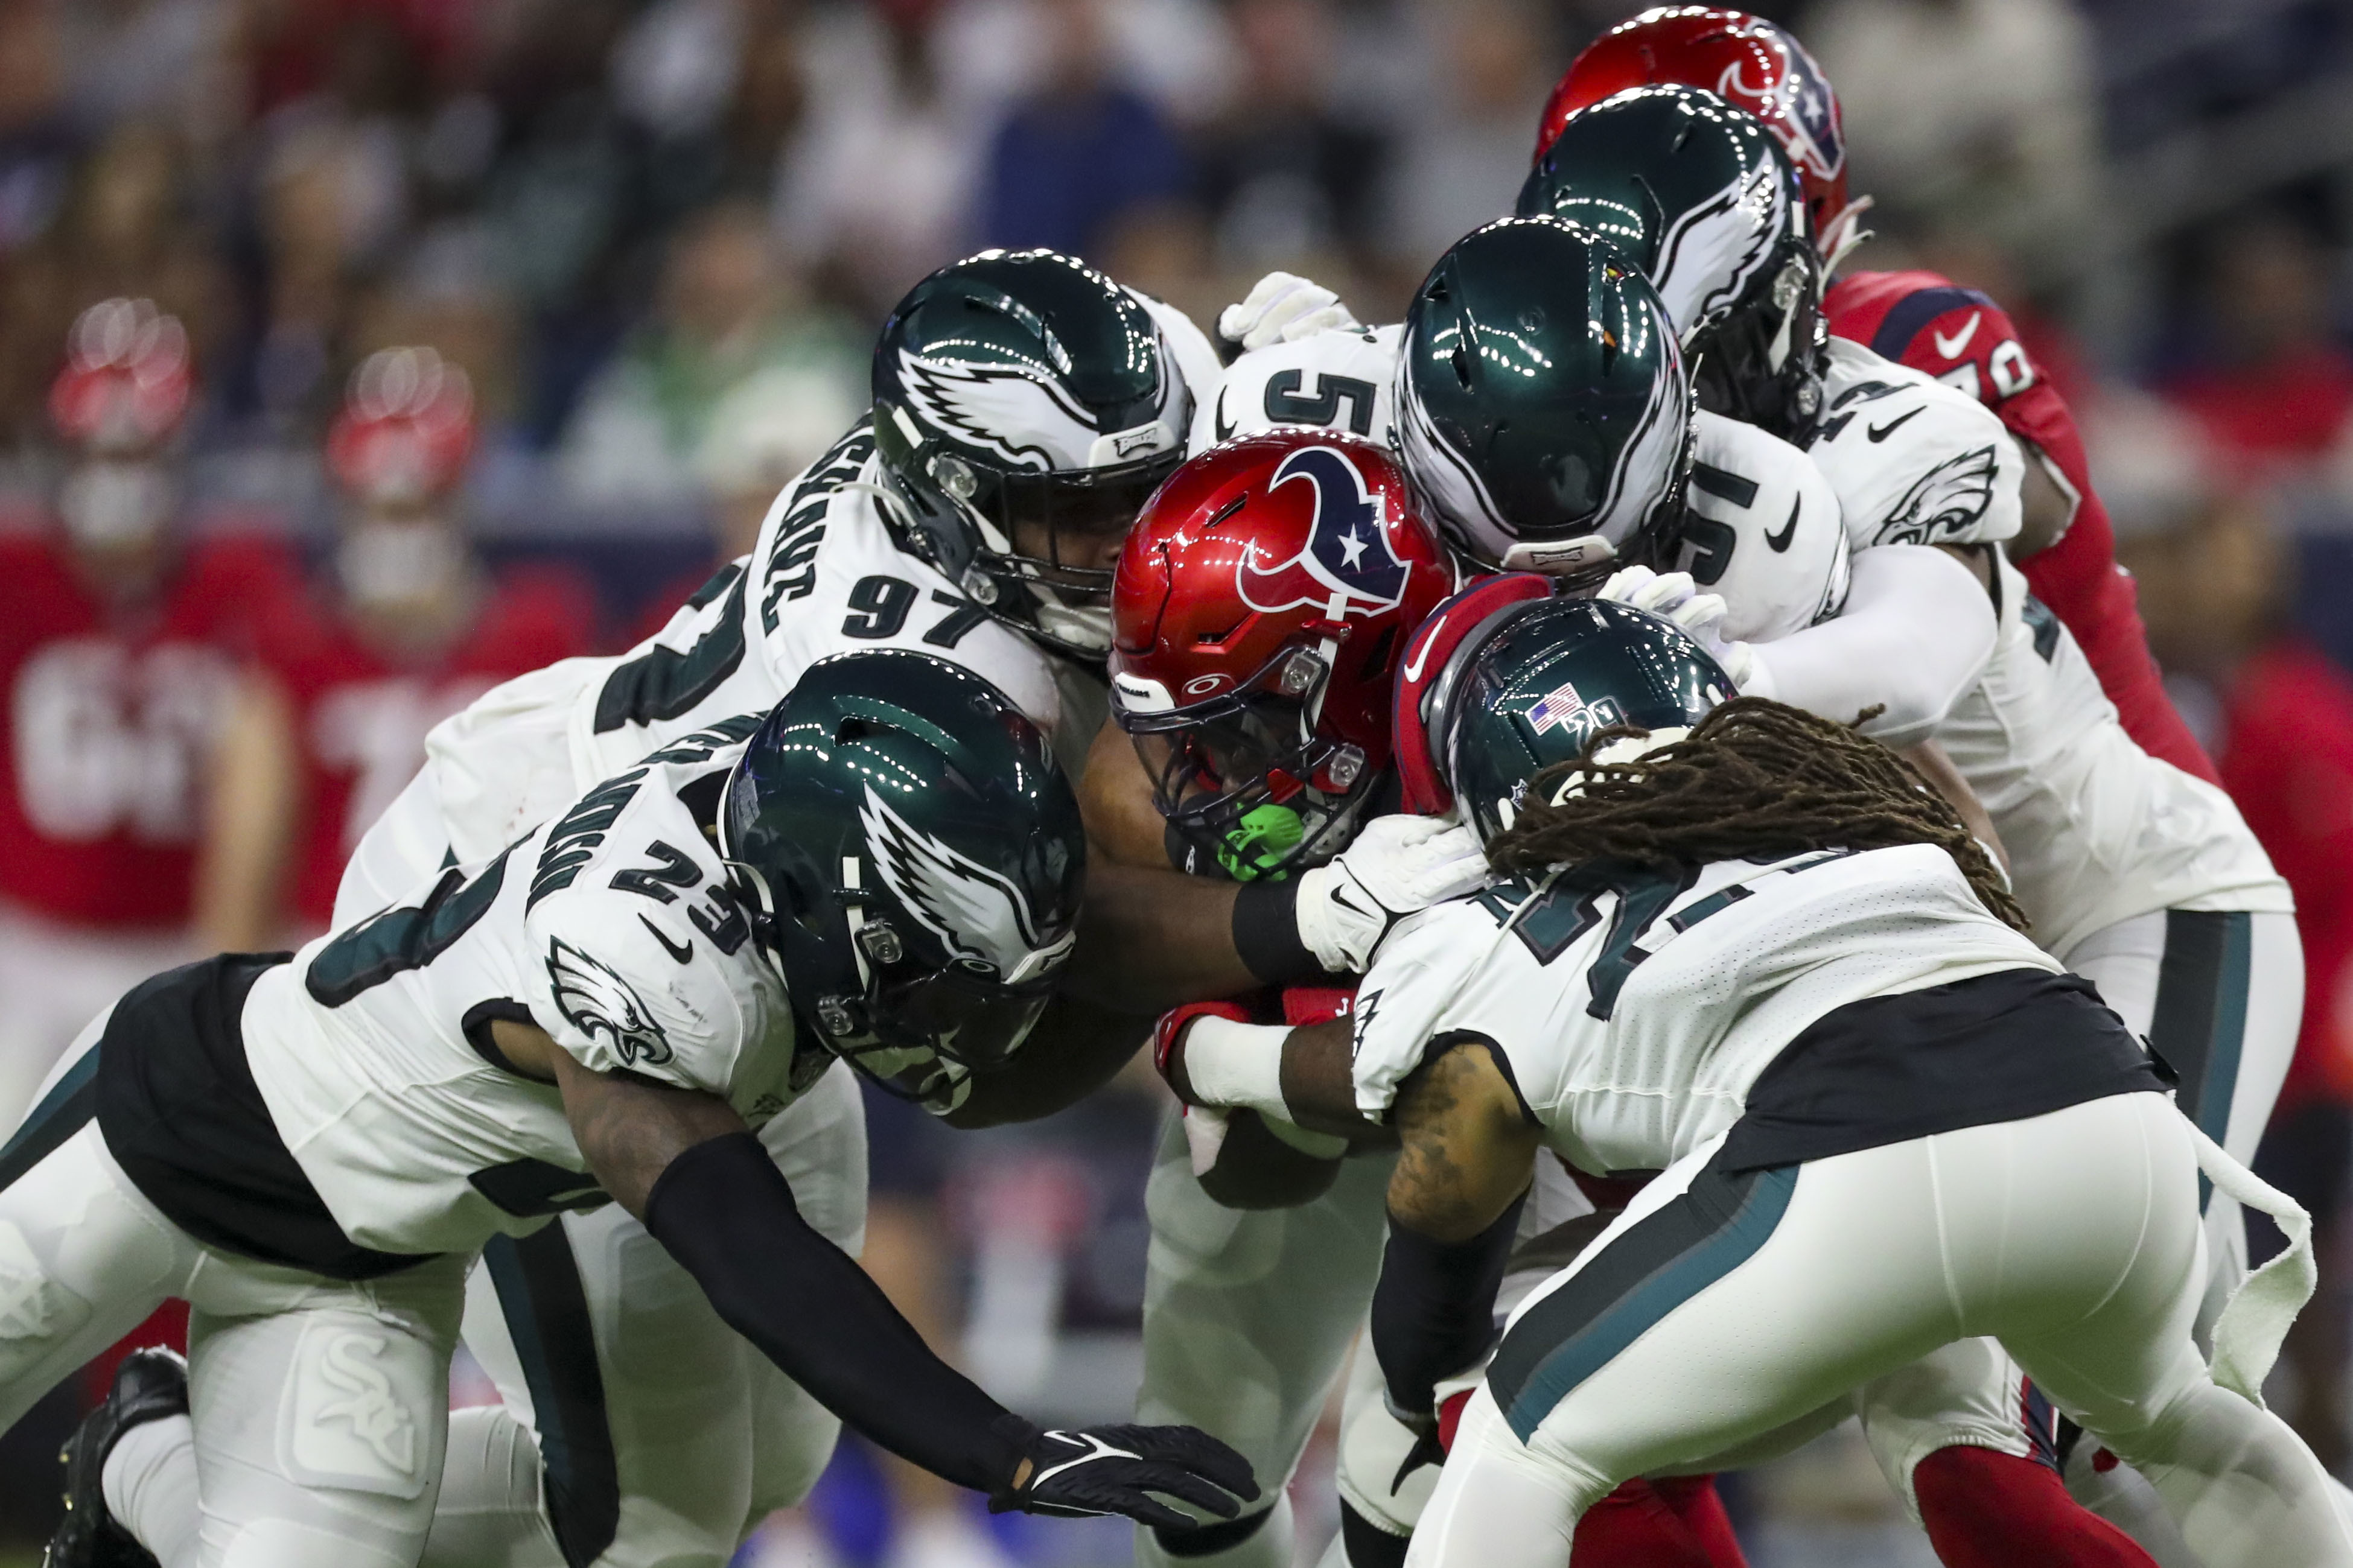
<point x="317" y="1404"/>
<point x="1246" y="1317"/>
<point x="635" y="1428"/>
<point x="1718" y="1308"/>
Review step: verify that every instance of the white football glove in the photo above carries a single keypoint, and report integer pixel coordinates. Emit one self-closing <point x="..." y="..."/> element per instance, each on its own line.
<point x="1676" y="596"/>
<point x="1282" y="308"/>
<point x="1398" y="865"/>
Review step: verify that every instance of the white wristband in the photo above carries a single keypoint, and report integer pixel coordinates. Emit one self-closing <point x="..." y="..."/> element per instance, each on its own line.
<point x="1232" y="1064"/>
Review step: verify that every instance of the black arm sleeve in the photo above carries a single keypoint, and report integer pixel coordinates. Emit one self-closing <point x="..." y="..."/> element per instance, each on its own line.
<point x="1266" y="935"/>
<point x="725" y="1213"/>
<point x="1434" y="1308"/>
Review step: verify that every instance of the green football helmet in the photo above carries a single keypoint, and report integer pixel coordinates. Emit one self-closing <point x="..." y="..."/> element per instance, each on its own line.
<point x="1542" y="409"/>
<point x="1025" y="407"/>
<point x="1542" y="679"/>
<point x="1703" y="199"/>
<point x="912" y="856"/>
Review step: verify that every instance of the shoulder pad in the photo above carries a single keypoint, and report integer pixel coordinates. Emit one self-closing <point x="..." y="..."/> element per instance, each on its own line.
<point x="639" y="958"/>
<point x="1913" y="461"/>
<point x="1765" y="530"/>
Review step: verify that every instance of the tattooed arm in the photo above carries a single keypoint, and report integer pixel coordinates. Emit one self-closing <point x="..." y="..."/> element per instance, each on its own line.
<point x="1454" y="1204"/>
<point x="1470" y="1146"/>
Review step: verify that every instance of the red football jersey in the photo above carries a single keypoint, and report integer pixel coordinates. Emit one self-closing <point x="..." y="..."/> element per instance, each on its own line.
<point x="109" y="716"/>
<point x="361" y="717"/>
<point x="1964" y="339"/>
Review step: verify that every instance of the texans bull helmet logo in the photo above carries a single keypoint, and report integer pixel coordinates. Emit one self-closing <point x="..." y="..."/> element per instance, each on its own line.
<point x="1348" y="566"/>
<point x="1807" y="111"/>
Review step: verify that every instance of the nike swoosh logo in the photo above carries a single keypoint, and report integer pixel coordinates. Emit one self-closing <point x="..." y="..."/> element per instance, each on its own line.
<point x="683" y="952"/>
<point x="1881" y="432"/>
<point x="1420" y="655"/>
<point x="1096" y="1449"/>
<point x="1779" y="542"/>
<point x="1218" y="421"/>
<point x="1950" y="348"/>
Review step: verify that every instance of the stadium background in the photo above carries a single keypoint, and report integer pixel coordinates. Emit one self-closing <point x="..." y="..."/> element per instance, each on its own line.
<point x="657" y="236"/>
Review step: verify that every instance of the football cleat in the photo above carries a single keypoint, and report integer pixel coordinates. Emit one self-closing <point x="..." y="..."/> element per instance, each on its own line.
<point x="149" y="1386"/>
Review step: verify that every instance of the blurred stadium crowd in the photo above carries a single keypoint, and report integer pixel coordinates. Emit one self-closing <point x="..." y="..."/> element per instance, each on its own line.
<point x="357" y="354"/>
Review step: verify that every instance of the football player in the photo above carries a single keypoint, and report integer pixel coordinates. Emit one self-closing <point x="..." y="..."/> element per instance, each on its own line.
<point x="1613" y="396"/>
<point x="311" y="1148"/>
<point x="1746" y="946"/>
<point x="1024" y="406"/>
<point x="2136" y="874"/>
<point x="1958" y="335"/>
<point x="1266" y="603"/>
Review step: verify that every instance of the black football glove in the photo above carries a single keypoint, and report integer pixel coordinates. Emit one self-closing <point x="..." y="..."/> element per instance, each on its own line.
<point x="1114" y="1469"/>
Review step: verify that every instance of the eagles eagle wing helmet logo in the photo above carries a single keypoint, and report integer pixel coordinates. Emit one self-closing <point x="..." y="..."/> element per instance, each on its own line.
<point x="1347" y="564"/>
<point x="596" y="1000"/>
<point x="1709" y="257"/>
<point x="1006" y="409"/>
<point x="975" y="912"/>
<point x="1944" y="501"/>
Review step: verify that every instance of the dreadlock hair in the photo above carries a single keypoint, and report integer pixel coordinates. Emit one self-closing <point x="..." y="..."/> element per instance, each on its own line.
<point x="1754" y="779"/>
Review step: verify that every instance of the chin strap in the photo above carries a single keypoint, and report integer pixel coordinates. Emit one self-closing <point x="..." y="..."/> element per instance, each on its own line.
<point x="1842" y="234"/>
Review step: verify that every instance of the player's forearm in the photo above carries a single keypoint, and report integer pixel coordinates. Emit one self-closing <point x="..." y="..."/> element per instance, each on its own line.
<point x="726" y="1214"/>
<point x="1076" y="1048"/>
<point x="252" y="793"/>
<point x="1301" y="1076"/>
<point x="1917" y="634"/>
<point x="629" y="1131"/>
<point x="1434" y="1308"/>
<point x="1149" y="939"/>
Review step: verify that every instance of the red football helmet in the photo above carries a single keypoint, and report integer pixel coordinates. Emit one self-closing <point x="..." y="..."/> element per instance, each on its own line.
<point x="125" y="385"/>
<point x="1263" y="601"/>
<point x="406" y="428"/>
<point x="1745" y="59"/>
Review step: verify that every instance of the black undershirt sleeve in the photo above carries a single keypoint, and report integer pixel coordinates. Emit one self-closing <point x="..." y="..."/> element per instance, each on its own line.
<point x="1434" y="1308"/>
<point x="726" y="1214"/>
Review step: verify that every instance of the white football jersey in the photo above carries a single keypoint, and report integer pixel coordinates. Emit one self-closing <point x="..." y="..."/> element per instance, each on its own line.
<point x="612" y="928"/>
<point x="824" y="576"/>
<point x="1335" y="380"/>
<point x="1913" y="461"/>
<point x="2097" y="829"/>
<point x="1635" y="1011"/>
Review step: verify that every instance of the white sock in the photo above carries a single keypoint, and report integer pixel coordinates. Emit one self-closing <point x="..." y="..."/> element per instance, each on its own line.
<point x="150" y="1484"/>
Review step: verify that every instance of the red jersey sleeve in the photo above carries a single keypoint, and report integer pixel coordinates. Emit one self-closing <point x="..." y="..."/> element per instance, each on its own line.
<point x="1965" y="339"/>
